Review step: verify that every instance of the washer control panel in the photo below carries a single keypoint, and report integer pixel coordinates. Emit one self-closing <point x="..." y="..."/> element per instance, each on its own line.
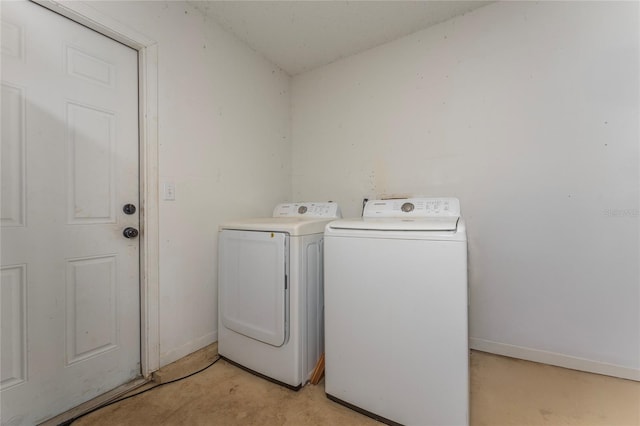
<point x="413" y="207"/>
<point x="322" y="209"/>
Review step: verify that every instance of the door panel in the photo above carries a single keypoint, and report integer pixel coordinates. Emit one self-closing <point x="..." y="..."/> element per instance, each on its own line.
<point x="70" y="280"/>
<point x="13" y="146"/>
<point x="253" y="293"/>
<point x="91" y="165"/>
<point x="91" y="309"/>
<point x="14" y="333"/>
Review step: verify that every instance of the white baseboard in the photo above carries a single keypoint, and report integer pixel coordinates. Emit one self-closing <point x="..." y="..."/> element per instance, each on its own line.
<point x="553" y="358"/>
<point x="188" y="348"/>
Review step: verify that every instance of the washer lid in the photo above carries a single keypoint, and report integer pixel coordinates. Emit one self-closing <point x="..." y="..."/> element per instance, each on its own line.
<point x="398" y="224"/>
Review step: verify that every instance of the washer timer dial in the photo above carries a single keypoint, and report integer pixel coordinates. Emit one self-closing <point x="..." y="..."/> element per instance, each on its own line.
<point x="407" y="207"/>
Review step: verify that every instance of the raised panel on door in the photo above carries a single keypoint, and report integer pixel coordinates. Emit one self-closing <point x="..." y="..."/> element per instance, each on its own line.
<point x="13" y="297"/>
<point x="92" y="326"/>
<point x="12" y="203"/>
<point x="84" y="65"/>
<point x="252" y="283"/>
<point x="90" y="158"/>
<point x="12" y="39"/>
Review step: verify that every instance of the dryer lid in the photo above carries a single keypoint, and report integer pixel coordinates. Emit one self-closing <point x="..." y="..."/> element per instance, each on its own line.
<point x="295" y="219"/>
<point x="294" y="226"/>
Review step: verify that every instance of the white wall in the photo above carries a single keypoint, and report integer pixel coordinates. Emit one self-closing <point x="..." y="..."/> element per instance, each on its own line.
<point x="224" y="139"/>
<point x="528" y="112"/>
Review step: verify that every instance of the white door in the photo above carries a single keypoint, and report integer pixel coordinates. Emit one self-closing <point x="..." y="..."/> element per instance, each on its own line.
<point x="252" y="283"/>
<point x="70" y="279"/>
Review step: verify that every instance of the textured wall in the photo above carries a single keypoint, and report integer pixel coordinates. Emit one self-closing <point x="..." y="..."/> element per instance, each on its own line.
<point x="528" y="112"/>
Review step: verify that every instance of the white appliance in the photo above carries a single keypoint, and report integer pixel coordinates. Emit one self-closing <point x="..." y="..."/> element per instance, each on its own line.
<point x="270" y="291"/>
<point x="396" y="340"/>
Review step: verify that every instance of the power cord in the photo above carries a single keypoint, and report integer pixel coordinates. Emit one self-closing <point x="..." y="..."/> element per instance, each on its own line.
<point x="70" y="421"/>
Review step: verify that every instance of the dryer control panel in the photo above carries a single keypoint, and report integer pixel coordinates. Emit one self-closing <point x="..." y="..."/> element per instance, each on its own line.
<point x="413" y="208"/>
<point x="322" y="209"/>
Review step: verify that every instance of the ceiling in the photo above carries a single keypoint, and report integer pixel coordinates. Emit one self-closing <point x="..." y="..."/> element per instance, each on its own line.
<point x="301" y="35"/>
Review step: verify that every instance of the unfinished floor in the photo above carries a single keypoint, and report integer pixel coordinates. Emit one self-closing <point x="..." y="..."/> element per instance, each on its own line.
<point x="504" y="391"/>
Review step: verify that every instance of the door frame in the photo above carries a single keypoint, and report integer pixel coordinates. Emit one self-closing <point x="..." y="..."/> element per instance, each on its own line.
<point x="147" y="49"/>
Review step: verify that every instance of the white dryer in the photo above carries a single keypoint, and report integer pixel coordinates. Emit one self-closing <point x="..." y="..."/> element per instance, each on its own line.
<point x="270" y="291"/>
<point x="396" y="343"/>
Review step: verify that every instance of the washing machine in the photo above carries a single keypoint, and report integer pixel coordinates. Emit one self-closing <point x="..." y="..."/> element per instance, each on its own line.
<point x="270" y="291"/>
<point x="396" y="338"/>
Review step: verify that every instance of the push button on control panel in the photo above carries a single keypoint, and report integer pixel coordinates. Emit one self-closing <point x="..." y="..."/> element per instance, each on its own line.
<point x="302" y="209"/>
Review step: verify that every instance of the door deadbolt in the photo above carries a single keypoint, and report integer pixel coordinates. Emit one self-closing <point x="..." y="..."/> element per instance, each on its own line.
<point x="129" y="209"/>
<point x="130" y="232"/>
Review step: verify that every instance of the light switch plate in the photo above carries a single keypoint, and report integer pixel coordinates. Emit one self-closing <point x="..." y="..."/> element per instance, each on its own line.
<point x="169" y="191"/>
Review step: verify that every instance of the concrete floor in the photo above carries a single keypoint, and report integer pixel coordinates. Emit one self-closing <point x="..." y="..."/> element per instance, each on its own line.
<point x="504" y="391"/>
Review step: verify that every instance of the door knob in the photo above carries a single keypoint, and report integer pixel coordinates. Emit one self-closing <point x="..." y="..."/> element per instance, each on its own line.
<point x="129" y="209"/>
<point x="130" y="232"/>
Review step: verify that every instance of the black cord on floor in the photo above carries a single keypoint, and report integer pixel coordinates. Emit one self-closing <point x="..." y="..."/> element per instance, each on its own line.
<point x="70" y="421"/>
